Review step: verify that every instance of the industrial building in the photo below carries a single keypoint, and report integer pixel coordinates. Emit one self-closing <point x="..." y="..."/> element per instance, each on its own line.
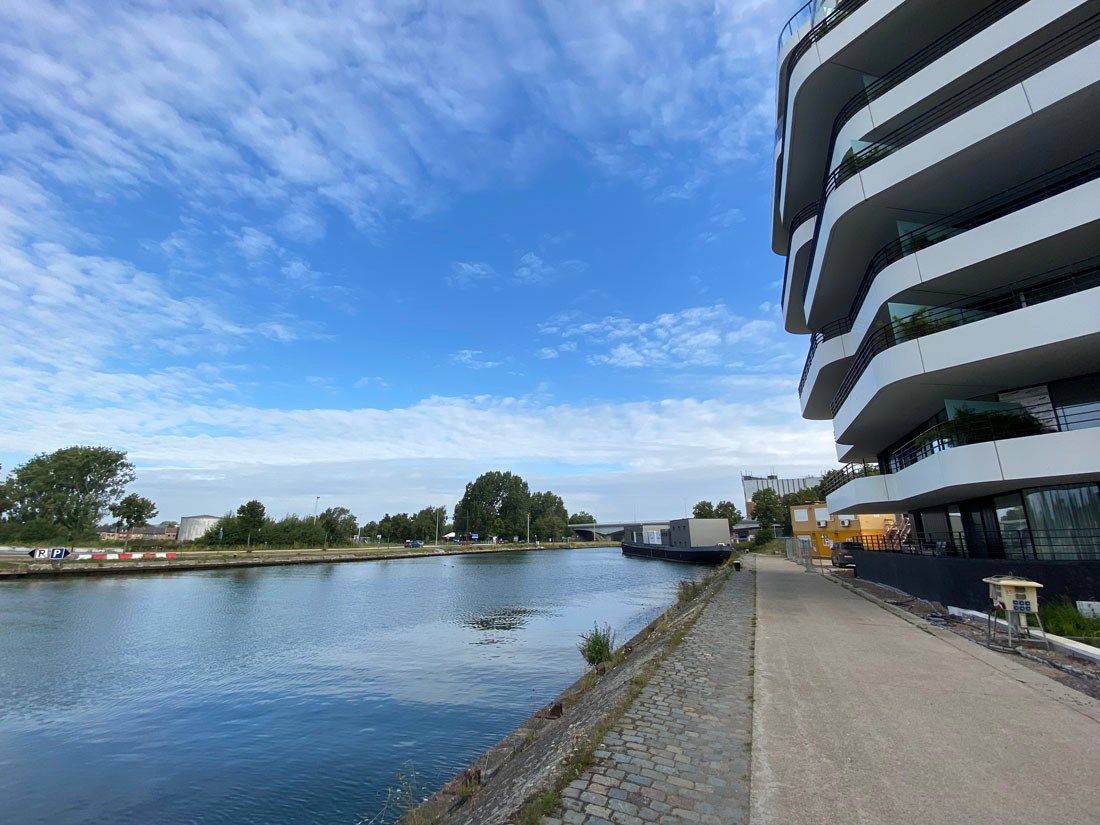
<point x="195" y="527"/>
<point x="937" y="202"/>
<point x="782" y="486"/>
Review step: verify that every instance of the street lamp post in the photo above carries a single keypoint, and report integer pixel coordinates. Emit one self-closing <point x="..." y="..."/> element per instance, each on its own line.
<point x="316" y="501"/>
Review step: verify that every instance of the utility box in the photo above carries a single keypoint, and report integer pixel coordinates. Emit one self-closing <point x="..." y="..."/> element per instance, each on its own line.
<point x="1014" y="595"/>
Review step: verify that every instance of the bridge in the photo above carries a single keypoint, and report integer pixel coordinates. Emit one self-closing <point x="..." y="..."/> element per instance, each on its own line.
<point x="613" y="529"/>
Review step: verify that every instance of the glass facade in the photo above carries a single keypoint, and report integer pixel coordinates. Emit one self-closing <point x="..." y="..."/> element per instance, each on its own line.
<point x="1042" y="523"/>
<point x="1065" y="520"/>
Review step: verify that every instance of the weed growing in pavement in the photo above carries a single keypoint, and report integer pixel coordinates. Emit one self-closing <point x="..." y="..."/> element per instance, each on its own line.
<point x="598" y="644"/>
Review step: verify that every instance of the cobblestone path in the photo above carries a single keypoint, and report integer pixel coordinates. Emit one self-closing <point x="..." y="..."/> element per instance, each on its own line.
<point x="681" y="753"/>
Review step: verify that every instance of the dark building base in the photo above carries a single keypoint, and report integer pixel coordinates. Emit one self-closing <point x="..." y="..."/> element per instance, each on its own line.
<point x="958" y="582"/>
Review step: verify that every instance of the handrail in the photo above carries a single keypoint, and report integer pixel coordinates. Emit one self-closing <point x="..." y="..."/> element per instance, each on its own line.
<point x="978" y="427"/>
<point x="790" y="27"/>
<point x="1022" y="543"/>
<point x="1026" y="292"/>
<point x="834" y="480"/>
<point x="963" y="32"/>
<point x="843" y="9"/>
<point x="1024" y="194"/>
<point x="802" y="215"/>
<point x="1038" y="59"/>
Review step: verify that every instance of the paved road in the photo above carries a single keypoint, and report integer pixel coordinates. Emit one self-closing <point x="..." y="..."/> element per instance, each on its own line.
<point x="862" y="717"/>
<point x="681" y="752"/>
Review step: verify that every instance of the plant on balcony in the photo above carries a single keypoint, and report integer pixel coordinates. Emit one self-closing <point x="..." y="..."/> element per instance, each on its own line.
<point x="923" y="322"/>
<point x="976" y="426"/>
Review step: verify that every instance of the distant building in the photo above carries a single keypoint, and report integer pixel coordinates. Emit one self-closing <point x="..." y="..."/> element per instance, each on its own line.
<point x="782" y="486"/>
<point x="745" y="530"/>
<point x="698" y="532"/>
<point x="814" y="526"/>
<point x="195" y="527"/>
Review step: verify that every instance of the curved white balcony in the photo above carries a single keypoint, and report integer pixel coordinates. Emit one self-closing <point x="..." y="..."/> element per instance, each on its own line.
<point x="908" y="383"/>
<point x="1000" y="40"/>
<point x="822" y="79"/>
<point x="1060" y="229"/>
<point x="794" y="276"/>
<point x="1023" y="131"/>
<point x="975" y="470"/>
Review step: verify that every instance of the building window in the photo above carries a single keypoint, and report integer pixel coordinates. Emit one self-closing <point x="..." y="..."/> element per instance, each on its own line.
<point x="1065" y="521"/>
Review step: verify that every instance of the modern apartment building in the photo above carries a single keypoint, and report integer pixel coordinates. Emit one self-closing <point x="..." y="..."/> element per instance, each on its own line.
<point x="937" y="199"/>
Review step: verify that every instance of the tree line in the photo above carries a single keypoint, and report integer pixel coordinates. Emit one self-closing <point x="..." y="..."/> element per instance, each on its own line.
<point x="63" y="496"/>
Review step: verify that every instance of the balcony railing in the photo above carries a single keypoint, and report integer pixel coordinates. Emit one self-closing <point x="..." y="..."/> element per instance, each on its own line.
<point x="963" y="32"/>
<point x="834" y="480"/>
<point x="828" y="14"/>
<point x="1010" y="542"/>
<point x="1035" y="61"/>
<point x="1029" y="192"/>
<point x="1037" y="289"/>
<point x="975" y="426"/>
<point x="800" y="217"/>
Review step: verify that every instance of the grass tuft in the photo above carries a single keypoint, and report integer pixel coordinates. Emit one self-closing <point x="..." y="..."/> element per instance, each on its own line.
<point x="598" y="644"/>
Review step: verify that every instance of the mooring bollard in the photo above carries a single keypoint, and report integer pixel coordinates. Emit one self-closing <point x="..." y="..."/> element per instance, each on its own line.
<point x="737" y="566"/>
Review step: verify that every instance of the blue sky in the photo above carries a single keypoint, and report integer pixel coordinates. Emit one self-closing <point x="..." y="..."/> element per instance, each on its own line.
<point x="367" y="251"/>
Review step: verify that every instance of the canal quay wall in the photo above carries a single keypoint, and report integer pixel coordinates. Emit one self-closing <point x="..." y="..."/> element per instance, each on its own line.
<point x="561" y="746"/>
<point x="15" y="568"/>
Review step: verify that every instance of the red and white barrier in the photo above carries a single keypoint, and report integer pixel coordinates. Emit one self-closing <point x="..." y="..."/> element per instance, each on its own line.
<point x="105" y="556"/>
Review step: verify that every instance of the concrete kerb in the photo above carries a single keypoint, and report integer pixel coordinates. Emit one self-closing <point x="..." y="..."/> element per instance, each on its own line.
<point x="998" y="661"/>
<point x="447" y="804"/>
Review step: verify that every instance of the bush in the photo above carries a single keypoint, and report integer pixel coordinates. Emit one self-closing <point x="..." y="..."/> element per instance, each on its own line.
<point x="763" y="536"/>
<point x="687" y="590"/>
<point x="597" y="645"/>
<point x="1064" y="619"/>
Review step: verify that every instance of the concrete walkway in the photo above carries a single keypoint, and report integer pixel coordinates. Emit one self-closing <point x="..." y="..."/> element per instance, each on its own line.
<point x="863" y="717"/>
<point x="681" y="752"/>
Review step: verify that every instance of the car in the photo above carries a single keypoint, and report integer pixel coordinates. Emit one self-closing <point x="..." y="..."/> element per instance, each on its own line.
<point x="413" y="543"/>
<point x="842" y="553"/>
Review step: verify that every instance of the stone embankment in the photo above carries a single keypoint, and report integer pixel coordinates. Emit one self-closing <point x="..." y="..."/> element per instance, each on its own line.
<point x="653" y="711"/>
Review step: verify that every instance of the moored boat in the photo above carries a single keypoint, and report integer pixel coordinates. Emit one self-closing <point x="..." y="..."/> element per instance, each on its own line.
<point x="714" y="554"/>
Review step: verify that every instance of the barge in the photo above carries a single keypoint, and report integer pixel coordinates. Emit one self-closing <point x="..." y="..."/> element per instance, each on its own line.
<point x="714" y="554"/>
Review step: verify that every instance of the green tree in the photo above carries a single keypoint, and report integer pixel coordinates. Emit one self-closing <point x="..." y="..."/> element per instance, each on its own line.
<point x="728" y="511"/>
<point x="134" y="511"/>
<point x="397" y="527"/>
<point x="549" y="518"/>
<point x="338" y="523"/>
<point x="767" y="508"/>
<point x="496" y="503"/>
<point x="251" y="516"/>
<point x="427" y="521"/>
<point x="582" y="517"/>
<point x="703" y="509"/>
<point x="71" y="487"/>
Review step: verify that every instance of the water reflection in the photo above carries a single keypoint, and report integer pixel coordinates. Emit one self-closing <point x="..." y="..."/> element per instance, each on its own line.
<point x="505" y="618"/>
<point x="291" y="694"/>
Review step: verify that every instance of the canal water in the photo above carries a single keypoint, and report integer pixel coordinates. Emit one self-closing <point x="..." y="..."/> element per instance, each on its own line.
<point x="292" y="694"/>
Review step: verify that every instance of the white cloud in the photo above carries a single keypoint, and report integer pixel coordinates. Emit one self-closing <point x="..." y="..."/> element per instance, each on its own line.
<point x="377" y="459"/>
<point x="532" y="269"/>
<point x="472" y="358"/>
<point x="467" y="273"/>
<point x="705" y="336"/>
<point x="546" y="353"/>
<point x="237" y="104"/>
<point x="254" y="245"/>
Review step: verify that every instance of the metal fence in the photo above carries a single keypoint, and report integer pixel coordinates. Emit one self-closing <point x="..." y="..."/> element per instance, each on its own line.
<point x="1024" y="544"/>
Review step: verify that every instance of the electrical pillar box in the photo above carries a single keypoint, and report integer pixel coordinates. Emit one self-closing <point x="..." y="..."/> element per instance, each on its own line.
<point x="1014" y="595"/>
